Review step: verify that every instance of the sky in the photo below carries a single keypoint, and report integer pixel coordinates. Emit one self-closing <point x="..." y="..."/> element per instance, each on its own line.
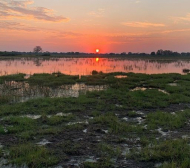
<point x="86" y="25"/>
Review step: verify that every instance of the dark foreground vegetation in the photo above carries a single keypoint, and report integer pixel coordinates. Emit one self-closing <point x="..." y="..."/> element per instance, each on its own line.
<point x="138" y="121"/>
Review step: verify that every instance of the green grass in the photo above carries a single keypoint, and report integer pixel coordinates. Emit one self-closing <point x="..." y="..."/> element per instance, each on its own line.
<point x="1" y="152"/>
<point x="107" y="150"/>
<point x="31" y="155"/>
<point x="103" y="106"/>
<point x="70" y="148"/>
<point x="53" y="80"/>
<point x="167" y="120"/>
<point x="5" y="99"/>
<point x="48" y="131"/>
<point x="19" y="124"/>
<point x="15" y="77"/>
<point x="102" y="163"/>
<point x="2" y="131"/>
<point x="169" y="152"/>
<point x="56" y="120"/>
<point x="115" y="126"/>
<point x="132" y="114"/>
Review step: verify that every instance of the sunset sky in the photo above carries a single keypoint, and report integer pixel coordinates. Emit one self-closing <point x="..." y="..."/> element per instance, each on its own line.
<point x="85" y="25"/>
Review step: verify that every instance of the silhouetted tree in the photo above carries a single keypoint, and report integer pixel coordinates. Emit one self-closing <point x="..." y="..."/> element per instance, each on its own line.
<point x="160" y="52"/>
<point x="123" y="53"/>
<point x="143" y="54"/>
<point x="152" y="53"/>
<point x="94" y="72"/>
<point x="46" y="54"/>
<point x="167" y="52"/>
<point x="37" y="49"/>
<point x="77" y="53"/>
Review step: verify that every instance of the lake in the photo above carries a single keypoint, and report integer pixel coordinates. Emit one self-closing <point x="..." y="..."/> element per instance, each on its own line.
<point x="84" y="66"/>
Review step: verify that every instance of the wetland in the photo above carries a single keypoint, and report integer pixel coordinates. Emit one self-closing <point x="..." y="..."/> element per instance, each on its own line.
<point x="92" y="114"/>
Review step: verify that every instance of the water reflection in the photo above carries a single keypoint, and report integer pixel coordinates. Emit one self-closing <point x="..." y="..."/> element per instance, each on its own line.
<point x="120" y="76"/>
<point x="22" y="91"/>
<point x="84" y="66"/>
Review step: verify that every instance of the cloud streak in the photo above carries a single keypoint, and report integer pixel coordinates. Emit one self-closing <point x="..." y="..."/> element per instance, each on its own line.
<point x="21" y="9"/>
<point x="185" y="18"/>
<point x="16" y="26"/>
<point x="98" y="13"/>
<point x="142" y="24"/>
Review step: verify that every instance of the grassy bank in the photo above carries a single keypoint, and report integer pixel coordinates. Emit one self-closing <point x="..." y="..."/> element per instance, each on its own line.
<point x="137" y="121"/>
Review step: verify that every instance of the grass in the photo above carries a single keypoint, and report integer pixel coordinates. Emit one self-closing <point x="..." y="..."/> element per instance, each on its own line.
<point x="103" y="163"/>
<point x="56" y="120"/>
<point x="19" y="124"/>
<point x="107" y="150"/>
<point x="5" y="99"/>
<point x="115" y="126"/>
<point x="15" y="77"/>
<point x="53" y="80"/>
<point x="103" y="106"/>
<point x="70" y="148"/>
<point x="31" y="155"/>
<point x="132" y="114"/>
<point x="2" y="130"/>
<point x="174" y="153"/>
<point x="167" y="120"/>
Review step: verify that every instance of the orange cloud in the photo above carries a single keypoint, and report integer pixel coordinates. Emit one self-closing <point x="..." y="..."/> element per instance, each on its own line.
<point x="20" y="9"/>
<point x="143" y="24"/>
<point x="178" y="30"/>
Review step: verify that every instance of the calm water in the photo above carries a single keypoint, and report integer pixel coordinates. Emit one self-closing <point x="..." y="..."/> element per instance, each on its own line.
<point x="84" y="66"/>
<point x="22" y="91"/>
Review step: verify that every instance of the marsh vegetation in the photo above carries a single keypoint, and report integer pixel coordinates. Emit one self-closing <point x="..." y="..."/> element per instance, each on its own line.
<point x="112" y="124"/>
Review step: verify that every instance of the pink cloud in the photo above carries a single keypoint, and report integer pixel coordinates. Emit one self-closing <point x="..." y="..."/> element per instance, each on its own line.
<point x="21" y="9"/>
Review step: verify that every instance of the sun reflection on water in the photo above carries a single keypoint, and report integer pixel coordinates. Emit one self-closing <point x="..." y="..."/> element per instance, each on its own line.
<point x="97" y="59"/>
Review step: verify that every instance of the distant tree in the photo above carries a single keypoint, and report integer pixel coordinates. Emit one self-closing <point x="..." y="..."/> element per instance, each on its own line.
<point x="77" y="53"/>
<point x="130" y="53"/>
<point x="71" y="53"/>
<point x="46" y="53"/>
<point x="37" y="49"/>
<point x="183" y="54"/>
<point x="176" y="53"/>
<point x="123" y="53"/>
<point x="167" y="52"/>
<point x="152" y="53"/>
<point x="160" y="52"/>
<point x="143" y="54"/>
<point x="94" y="72"/>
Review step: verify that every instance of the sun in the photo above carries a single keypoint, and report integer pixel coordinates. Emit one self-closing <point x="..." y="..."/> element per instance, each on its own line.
<point x="97" y="50"/>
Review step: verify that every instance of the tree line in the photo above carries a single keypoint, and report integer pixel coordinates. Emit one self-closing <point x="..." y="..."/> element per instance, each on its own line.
<point x="38" y="51"/>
